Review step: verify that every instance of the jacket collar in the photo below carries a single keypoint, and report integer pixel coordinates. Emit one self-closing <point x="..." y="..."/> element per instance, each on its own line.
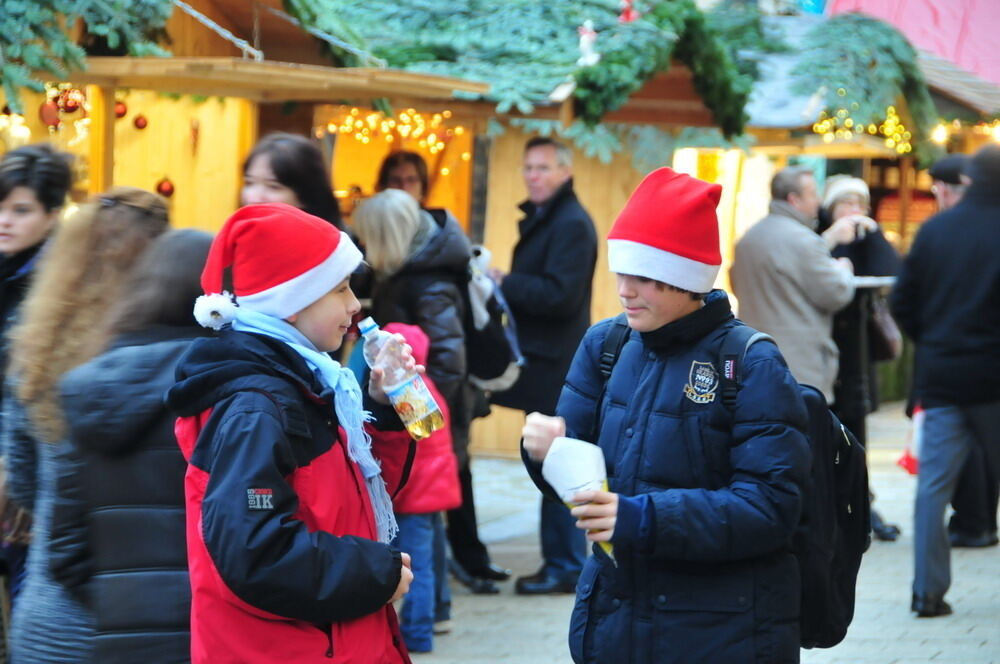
<point x="786" y="209"/>
<point x="16" y="266"/>
<point x="691" y="328"/>
<point x="534" y="214"/>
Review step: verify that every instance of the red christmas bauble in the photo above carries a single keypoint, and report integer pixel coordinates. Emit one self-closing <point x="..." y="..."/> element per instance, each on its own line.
<point x="120" y="109"/>
<point x="140" y="122"/>
<point x="70" y="100"/>
<point x="48" y="113"/>
<point x="165" y="188"/>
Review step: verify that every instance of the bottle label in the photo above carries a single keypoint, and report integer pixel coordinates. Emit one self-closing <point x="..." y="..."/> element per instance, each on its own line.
<point x="412" y="400"/>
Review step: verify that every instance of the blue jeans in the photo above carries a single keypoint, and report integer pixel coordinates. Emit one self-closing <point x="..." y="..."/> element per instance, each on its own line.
<point x="946" y="441"/>
<point x="429" y="599"/>
<point x="564" y="546"/>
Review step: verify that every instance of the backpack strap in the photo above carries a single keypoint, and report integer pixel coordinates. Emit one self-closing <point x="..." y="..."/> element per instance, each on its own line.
<point x="731" y="355"/>
<point x="614" y="341"/>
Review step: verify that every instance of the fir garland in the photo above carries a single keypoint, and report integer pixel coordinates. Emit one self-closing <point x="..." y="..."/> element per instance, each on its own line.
<point x="864" y="65"/>
<point x="32" y="36"/>
<point x="526" y="48"/>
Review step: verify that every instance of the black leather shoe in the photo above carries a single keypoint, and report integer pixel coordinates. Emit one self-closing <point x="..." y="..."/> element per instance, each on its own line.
<point x="962" y="539"/>
<point x="491" y="572"/>
<point x="476" y="584"/>
<point x="930" y="607"/>
<point x="541" y="583"/>
<point x="886" y="532"/>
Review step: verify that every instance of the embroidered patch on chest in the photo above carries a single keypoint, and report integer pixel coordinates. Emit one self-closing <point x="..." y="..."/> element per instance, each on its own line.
<point x="703" y="382"/>
<point x="260" y="499"/>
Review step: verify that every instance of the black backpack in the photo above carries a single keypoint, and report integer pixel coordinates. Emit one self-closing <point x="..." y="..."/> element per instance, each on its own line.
<point x="835" y="528"/>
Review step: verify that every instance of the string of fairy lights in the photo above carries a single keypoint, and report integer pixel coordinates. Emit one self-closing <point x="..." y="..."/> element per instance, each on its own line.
<point x="840" y="125"/>
<point x="431" y="131"/>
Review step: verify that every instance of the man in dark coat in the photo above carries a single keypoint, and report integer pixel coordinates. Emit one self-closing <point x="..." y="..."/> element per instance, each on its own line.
<point x="548" y="290"/>
<point x="703" y="498"/>
<point x="973" y="521"/>
<point x="947" y="300"/>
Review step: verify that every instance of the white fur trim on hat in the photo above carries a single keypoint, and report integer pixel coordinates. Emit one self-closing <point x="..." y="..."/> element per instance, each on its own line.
<point x="839" y="186"/>
<point x="642" y="260"/>
<point x="294" y="295"/>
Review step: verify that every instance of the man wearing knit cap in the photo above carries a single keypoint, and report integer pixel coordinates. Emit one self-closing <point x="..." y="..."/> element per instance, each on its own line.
<point x="947" y="300"/>
<point x="787" y="283"/>
<point x="289" y="515"/>
<point x="703" y="496"/>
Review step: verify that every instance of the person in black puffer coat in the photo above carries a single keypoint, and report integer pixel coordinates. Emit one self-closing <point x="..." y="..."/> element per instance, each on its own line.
<point x="118" y="534"/>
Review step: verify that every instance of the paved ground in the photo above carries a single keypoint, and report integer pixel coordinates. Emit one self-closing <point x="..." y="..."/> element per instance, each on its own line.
<point x="508" y="628"/>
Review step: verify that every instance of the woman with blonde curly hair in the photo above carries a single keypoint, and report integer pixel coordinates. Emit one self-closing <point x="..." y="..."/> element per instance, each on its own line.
<point x="60" y="327"/>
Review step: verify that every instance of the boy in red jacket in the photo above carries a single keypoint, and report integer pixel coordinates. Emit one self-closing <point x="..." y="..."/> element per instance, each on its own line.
<point x="289" y="516"/>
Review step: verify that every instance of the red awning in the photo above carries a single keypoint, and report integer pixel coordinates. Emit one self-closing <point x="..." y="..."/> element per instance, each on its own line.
<point x="961" y="31"/>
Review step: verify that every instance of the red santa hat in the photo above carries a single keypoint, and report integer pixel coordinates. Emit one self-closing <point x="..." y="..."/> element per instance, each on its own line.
<point x="274" y="259"/>
<point x="669" y="232"/>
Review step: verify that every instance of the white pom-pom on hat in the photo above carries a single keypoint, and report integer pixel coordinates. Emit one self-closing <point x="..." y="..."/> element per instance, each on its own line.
<point x="215" y="310"/>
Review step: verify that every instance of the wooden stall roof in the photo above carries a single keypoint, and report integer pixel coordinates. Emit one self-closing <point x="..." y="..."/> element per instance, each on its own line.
<point x="962" y="87"/>
<point x="267" y="81"/>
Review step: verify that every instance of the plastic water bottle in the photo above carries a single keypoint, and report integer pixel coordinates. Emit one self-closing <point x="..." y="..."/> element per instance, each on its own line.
<point x="405" y="388"/>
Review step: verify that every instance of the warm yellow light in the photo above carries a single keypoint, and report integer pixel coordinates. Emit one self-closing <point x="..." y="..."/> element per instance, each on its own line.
<point x="828" y="138"/>
<point x="445" y="171"/>
<point x="389" y="138"/>
<point x="446" y="114"/>
<point x="459" y="130"/>
<point x="466" y="156"/>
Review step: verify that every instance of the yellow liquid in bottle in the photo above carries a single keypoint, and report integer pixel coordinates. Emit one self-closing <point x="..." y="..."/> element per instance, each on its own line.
<point x="427" y="425"/>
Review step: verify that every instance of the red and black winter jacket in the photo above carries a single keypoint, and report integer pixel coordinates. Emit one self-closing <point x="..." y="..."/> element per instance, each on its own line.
<point x="280" y="530"/>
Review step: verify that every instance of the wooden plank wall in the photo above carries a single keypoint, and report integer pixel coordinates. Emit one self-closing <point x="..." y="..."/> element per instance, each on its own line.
<point x="603" y="190"/>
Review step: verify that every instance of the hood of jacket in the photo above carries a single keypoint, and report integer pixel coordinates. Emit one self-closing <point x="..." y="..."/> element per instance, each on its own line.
<point x="447" y="250"/>
<point x="111" y="401"/>
<point x="215" y="368"/>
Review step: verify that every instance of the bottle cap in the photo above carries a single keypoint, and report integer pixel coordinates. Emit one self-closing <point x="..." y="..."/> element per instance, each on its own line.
<point x="367" y="325"/>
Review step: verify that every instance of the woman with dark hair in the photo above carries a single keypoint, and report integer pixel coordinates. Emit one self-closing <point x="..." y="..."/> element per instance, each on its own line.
<point x="118" y="525"/>
<point x="34" y="181"/>
<point x="404" y="170"/>
<point x="288" y="168"/>
<point x="79" y="277"/>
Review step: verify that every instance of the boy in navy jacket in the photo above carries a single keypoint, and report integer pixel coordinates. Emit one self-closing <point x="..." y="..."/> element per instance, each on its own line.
<point x="703" y="499"/>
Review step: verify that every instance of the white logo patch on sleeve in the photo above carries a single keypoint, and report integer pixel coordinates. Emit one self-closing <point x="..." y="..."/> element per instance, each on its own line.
<point x="260" y="499"/>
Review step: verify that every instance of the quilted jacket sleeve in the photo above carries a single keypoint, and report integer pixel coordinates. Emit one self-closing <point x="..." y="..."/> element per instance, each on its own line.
<point x="69" y="556"/>
<point x="437" y="312"/>
<point x="578" y="402"/>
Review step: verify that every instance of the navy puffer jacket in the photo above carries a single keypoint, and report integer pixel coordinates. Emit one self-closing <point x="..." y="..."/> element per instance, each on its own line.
<point x="708" y="577"/>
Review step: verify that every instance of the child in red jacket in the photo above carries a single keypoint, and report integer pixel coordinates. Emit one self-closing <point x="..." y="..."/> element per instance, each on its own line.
<point x="289" y="516"/>
<point x="432" y="488"/>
